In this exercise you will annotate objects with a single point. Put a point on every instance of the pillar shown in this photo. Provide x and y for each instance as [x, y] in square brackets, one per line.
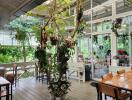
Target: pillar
[113, 36]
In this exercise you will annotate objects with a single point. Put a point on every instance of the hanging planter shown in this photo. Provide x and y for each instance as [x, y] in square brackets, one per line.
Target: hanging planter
[95, 39]
[70, 42]
[21, 35]
[116, 25]
[53, 40]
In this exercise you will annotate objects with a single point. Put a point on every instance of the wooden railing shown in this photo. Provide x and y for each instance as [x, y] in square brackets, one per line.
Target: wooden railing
[20, 64]
[23, 67]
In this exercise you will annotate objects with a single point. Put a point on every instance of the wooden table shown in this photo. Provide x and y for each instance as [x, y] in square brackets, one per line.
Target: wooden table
[122, 81]
[5, 93]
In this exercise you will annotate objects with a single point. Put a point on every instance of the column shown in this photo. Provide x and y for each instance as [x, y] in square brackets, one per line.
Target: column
[130, 50]
[92, 39]
[113, 36]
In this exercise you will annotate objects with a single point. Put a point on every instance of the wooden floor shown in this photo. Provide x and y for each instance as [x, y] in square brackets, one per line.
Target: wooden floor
[30, 89]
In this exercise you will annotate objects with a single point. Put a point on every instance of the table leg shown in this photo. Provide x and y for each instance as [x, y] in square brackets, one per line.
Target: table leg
[0, 91]
[7, 90]
[11, 91]
[98, 95]
[131, 96]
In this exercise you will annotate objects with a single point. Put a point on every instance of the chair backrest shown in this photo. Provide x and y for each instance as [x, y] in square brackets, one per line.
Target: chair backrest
[108, 90]
[2, 71]
[13, 76]
[121, 71]
[14, 69]
[107, 76]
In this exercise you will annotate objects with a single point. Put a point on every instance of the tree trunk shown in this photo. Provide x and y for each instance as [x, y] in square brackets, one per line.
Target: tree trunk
[24, 52]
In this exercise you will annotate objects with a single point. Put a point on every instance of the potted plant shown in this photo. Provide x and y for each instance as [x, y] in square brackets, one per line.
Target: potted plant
[59, 84]
[55, 26]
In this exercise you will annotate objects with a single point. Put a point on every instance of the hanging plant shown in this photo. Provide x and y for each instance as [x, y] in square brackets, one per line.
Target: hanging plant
[116, 25]
[95, 38]
[53, 40]
[21, 36]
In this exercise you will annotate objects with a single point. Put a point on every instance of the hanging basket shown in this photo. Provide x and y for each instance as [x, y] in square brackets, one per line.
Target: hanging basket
[53, 40]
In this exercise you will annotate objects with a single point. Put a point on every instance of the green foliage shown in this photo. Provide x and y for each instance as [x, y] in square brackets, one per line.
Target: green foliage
[13, 54]
[5, 59]
[21, 36]
[37, 30]
[23, 26]
[123, 43]
[23, 23]
[60, 85]
[50, 30]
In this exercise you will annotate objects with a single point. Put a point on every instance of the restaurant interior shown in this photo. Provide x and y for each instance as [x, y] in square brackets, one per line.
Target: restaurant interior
[65, 49]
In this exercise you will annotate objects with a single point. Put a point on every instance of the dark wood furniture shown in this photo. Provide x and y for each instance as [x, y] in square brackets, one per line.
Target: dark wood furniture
[40, 72]
[8, 88]
[121, 81]
[2, 71]
[110, 91]
[11, 76]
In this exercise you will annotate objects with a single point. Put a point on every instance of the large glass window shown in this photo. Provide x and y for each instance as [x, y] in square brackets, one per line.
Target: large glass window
[84, 44]
[101, 54]
[123, 46]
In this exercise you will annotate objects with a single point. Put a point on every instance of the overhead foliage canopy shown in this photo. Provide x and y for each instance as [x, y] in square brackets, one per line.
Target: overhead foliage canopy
[57, 15]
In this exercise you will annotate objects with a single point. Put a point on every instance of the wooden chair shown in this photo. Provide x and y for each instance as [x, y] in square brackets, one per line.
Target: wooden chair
[40, 72]
[110, 91]
[11, 76]
[107, 76]
[121, 71]
[2, 71]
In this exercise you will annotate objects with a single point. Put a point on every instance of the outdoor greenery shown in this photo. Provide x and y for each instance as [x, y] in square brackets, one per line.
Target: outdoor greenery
[23, 26]
[10, 54]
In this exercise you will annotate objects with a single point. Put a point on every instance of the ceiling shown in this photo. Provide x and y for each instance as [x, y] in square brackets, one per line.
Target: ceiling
[10, 9]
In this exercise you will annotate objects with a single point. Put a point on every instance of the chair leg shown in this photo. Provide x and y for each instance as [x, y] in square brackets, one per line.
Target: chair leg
[105, 97]
[100, 96]
[11, 91]
[131, 96]
[0, 91]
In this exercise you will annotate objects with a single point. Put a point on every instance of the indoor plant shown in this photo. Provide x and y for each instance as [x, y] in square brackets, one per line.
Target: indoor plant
[58, 19]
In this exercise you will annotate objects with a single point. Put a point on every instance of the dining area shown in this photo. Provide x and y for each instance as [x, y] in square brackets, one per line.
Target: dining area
[10, 75]
[117, 86]
[6, 83]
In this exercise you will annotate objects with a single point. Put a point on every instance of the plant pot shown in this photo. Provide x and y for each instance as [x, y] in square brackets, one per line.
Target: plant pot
[53, 40]
[52, 97]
